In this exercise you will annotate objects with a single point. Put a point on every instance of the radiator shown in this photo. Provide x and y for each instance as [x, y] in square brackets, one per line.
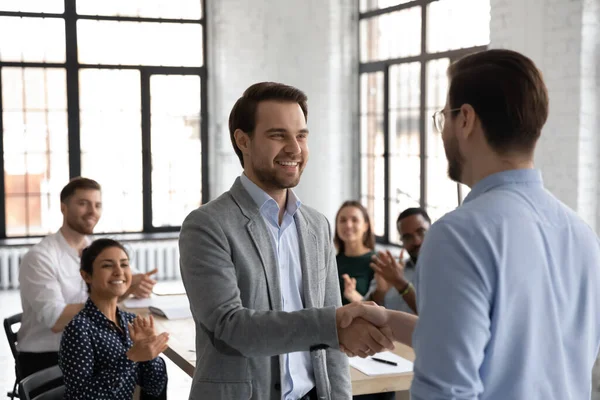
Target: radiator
[145, 256]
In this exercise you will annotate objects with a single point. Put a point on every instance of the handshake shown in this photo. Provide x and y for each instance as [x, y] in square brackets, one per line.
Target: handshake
[363, 329]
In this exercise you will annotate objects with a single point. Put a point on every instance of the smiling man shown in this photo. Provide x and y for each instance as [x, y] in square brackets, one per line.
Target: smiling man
[260, 270]
[52, 290]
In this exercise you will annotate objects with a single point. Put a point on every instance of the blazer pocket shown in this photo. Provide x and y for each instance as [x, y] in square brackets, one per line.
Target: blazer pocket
[202, 390]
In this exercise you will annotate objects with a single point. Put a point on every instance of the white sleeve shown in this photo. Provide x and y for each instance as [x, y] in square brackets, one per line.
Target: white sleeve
[40, 287]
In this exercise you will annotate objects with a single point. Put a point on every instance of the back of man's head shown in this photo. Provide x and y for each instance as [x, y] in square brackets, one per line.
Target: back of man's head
[75, 184]
[507, 92]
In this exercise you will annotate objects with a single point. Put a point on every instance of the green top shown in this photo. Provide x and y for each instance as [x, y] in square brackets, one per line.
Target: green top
[357, 268]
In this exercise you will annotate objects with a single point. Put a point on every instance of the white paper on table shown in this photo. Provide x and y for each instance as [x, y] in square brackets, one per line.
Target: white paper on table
[169, 288]
[137, 303]
[371, 367]
[171, 307]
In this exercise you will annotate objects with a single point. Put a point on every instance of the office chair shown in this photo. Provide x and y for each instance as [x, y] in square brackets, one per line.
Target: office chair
[41, 378]
[11, 336]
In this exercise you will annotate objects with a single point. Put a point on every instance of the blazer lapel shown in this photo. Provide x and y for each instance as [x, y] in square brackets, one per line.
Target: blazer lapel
[260, 236]
[308, 258]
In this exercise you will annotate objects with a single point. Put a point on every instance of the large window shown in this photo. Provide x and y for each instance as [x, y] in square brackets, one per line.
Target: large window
[112, 90]
[405, 49]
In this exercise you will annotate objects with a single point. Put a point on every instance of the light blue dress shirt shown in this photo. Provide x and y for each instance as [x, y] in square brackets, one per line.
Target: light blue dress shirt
[297, 371]
[508, 297]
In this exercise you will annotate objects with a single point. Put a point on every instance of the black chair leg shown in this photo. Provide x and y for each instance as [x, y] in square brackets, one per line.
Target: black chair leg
[14, 394]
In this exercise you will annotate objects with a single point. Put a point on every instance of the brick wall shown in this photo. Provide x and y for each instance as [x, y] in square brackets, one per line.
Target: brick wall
[562, 38]
[311, 44]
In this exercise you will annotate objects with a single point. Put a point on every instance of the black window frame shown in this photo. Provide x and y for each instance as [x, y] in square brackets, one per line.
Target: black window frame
[72, 66]
[384, 66]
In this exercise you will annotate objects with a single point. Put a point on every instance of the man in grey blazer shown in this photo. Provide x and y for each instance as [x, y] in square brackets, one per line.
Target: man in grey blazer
[260, 271]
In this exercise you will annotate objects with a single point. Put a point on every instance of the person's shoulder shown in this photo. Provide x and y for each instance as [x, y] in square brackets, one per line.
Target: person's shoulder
[46, 248]
[313, 217]
[214, 209]
[81, 323]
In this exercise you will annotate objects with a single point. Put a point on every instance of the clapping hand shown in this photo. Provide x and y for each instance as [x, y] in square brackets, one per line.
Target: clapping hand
[387, 267]
[141, 328]
[146, 344]
[350, 292]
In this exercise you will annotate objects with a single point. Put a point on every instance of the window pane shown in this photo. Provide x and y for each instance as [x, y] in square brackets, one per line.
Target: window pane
[16, 215]
[182, 9]
[176, 150]
[111, 145]
[372, 148]
[36, 162]
[40, 6]
[134, 43]
[393, 35]
[367, 5]
[442, 193]
[456, 24]
[405, 142]
[19, 43]
[34, 88]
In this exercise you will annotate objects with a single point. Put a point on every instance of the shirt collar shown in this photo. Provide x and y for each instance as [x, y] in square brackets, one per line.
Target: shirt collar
[92, 310]
[67, 247]
[262, 199]
[528, 177]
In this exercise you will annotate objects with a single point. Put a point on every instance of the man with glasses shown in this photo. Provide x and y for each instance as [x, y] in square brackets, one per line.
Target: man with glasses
[508, 286]
[412, 225]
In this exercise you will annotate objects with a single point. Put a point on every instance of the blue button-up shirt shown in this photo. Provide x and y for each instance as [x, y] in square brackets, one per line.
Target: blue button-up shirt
[508, 297]
[297, 371]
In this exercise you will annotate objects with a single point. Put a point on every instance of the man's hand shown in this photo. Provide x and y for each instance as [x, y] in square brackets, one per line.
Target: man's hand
[142, 284]
[358, 336]
[350, 292]
[367, 310]
[363, 339]
[382, 284]
[386, 266]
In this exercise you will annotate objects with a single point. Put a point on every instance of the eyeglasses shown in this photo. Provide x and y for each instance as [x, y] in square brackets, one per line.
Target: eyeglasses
[439, 118]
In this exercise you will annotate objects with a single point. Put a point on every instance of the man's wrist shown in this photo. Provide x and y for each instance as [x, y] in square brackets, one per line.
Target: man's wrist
[401, 285]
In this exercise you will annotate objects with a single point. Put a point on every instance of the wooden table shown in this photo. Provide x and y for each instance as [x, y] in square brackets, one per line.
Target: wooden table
[182, 345]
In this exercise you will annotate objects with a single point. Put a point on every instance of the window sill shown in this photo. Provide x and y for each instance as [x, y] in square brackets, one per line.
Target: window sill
[122, 237]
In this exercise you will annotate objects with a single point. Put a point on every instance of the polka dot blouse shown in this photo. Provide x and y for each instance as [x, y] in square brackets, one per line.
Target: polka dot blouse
[94, 363]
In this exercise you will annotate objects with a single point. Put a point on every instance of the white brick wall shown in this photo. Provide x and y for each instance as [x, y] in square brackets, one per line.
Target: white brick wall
[310, 44]
[563, 38]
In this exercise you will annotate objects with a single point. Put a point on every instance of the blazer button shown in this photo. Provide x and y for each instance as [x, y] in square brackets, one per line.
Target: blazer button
[277, 386]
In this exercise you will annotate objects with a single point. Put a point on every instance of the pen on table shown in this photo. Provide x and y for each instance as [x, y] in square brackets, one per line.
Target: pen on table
[381, 360]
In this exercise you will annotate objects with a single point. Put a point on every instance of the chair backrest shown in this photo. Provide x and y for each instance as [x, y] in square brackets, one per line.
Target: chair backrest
[37, 380]
[11, 335]
[58, 393]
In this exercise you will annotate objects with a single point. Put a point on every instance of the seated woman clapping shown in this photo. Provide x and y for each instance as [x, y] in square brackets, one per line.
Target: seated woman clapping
[105, 351]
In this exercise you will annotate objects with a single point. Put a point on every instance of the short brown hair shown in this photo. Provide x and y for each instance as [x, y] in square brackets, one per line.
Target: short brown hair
[243, 113]
[78, 183]
[368, 239]
[507, 92]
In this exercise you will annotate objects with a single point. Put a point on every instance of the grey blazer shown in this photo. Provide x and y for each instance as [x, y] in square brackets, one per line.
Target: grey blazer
[231, 276]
